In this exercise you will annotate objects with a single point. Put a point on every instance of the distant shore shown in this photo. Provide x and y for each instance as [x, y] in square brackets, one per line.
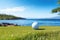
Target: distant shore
[9, 17]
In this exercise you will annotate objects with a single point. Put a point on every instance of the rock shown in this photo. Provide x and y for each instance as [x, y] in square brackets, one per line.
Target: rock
[7, 24]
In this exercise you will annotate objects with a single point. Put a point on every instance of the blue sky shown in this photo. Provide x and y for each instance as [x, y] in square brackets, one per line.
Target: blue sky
[28, 8]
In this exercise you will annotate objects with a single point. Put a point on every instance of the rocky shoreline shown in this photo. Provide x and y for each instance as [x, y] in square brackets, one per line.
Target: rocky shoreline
[8, 24]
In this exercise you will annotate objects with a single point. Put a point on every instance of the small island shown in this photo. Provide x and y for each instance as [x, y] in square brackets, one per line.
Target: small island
[9, 17]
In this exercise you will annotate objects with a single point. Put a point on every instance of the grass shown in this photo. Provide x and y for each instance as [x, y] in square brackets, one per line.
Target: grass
[27, 33]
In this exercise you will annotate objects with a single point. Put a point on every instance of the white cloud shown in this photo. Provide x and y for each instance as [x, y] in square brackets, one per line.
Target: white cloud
[12, 10]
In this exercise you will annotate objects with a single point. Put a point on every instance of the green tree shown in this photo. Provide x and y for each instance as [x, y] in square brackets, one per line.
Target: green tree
[57, 9]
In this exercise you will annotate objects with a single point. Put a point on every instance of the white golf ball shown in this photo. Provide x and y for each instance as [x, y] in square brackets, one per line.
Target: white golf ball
[35, 25]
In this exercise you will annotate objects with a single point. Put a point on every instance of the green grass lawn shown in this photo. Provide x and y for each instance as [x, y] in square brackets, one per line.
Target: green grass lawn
[27, 33]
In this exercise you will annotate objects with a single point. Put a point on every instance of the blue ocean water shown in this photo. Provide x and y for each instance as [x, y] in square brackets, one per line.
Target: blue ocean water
[28, 22]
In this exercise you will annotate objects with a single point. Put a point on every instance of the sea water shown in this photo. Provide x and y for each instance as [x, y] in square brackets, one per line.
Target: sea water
[28, 22]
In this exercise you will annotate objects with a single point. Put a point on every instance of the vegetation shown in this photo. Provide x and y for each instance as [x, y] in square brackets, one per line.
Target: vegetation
[58, 2]
[27, 33]
[8, 17]
[57, 9]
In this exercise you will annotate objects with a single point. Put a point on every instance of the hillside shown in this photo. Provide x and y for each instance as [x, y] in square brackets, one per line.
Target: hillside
[9, 17]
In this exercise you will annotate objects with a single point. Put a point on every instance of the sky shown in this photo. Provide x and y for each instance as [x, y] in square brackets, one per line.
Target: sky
[28, 8]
